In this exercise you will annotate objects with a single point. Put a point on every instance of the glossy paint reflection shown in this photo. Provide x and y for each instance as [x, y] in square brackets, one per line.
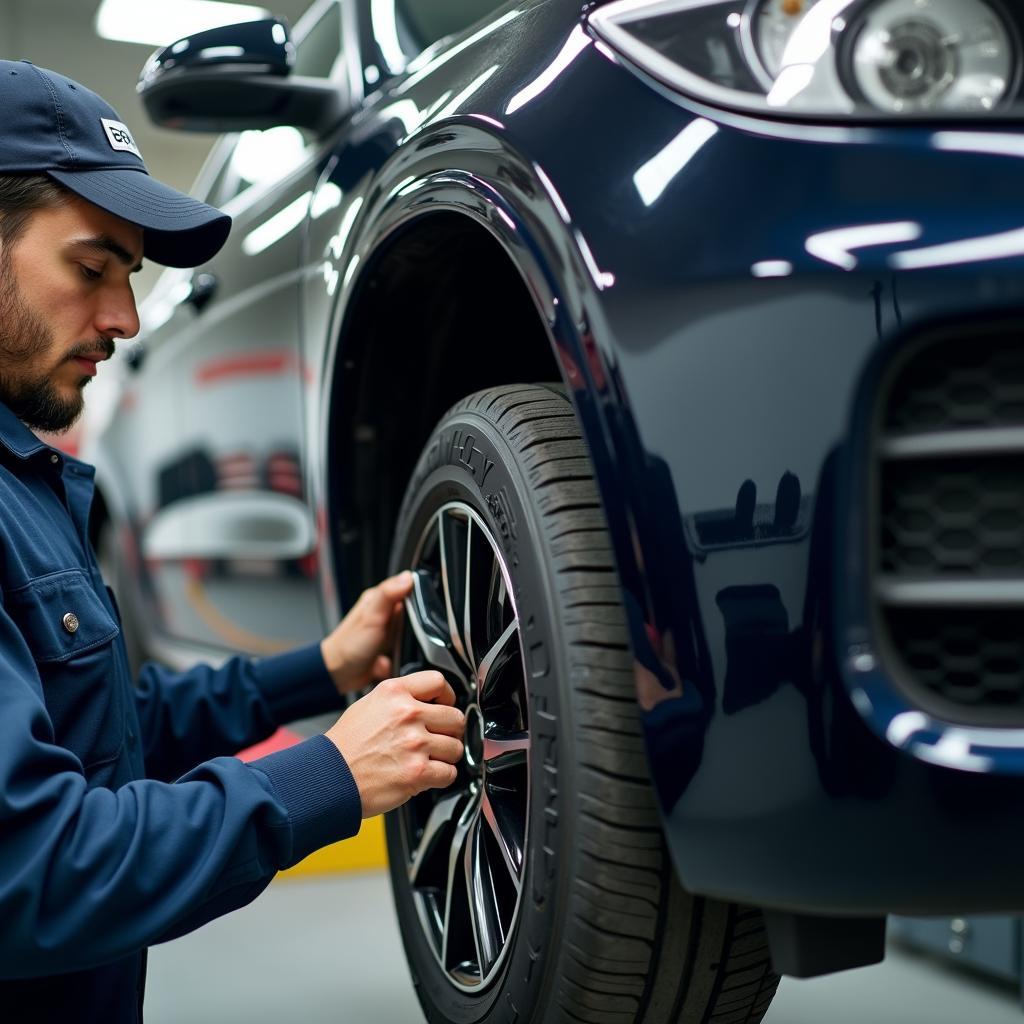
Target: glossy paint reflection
[714, 288]
[838, 245]
[654, 176]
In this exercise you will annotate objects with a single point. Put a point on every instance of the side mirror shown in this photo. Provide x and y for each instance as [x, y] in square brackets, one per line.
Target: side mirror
[233, 79]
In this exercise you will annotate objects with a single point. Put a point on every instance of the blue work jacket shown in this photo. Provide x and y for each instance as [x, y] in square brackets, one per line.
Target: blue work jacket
[123, 822]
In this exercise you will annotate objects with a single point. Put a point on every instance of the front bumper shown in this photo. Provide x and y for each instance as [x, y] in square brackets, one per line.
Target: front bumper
[751, 302]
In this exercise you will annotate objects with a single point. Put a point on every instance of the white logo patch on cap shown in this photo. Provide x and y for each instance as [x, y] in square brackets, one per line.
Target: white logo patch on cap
[119, 136]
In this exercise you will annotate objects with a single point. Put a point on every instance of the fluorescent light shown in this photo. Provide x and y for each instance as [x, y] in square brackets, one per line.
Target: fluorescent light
[261, 156]
[336, 246]
[577, 42]
[772, 268]
[160, 22]
[421, 71]
[904, 725]
[549, 187]
[602, 278]
[837, 246]
[969, 250]
[276, 227]
[385, 32]
[452, 106]
[326, 198]
[979, 142]
[653, 177]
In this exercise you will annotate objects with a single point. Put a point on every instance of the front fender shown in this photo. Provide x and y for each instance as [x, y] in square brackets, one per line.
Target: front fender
[465, 168]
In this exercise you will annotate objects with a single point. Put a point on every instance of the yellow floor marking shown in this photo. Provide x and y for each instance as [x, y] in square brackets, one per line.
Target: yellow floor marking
[361, 852]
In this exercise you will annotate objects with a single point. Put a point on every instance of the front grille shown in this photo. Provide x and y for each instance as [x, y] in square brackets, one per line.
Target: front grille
[948, 579]
[973, 660]
[953, 516]
[957, 383]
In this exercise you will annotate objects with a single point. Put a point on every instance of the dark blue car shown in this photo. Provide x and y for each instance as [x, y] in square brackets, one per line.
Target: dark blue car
[676, 345]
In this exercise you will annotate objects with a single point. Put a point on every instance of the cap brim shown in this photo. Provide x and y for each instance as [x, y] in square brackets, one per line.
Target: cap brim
[179, 231]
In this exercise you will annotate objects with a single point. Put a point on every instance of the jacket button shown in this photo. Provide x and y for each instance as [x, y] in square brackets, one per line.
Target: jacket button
[70, 621]
[55, 459]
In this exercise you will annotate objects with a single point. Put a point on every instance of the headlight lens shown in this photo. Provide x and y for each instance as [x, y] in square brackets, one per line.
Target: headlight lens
[823, 58]
[948, 55]
[774, 23]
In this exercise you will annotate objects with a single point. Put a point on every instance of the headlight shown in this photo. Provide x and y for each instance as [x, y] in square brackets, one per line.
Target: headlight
[823, 58]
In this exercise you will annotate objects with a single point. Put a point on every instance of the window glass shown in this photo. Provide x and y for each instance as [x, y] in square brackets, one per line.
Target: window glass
[320, 48]
[426, 21]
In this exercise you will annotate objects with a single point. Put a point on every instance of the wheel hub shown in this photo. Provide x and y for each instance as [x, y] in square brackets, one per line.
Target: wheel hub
[474, 741]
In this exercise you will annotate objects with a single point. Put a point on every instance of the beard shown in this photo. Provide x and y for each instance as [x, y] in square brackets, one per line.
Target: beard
[25, 340]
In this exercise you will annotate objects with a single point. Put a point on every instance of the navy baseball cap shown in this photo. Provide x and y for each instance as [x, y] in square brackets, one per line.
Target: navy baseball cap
[55, 126]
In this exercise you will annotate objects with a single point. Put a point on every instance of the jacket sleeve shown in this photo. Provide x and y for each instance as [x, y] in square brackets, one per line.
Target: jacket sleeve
[192, 716]
[88, 875]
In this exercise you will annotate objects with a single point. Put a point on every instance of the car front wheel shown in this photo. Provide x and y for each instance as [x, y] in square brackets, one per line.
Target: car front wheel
[538, 886]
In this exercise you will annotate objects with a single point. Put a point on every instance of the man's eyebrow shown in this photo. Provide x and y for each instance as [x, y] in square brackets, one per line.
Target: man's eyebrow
[104, 243]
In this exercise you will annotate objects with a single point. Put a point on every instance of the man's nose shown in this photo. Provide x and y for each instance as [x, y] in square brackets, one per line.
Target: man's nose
[118, 316]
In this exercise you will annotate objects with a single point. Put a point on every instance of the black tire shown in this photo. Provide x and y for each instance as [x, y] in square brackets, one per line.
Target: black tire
[601, 931]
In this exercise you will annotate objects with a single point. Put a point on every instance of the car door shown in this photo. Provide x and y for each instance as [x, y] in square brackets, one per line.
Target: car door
[228, 540]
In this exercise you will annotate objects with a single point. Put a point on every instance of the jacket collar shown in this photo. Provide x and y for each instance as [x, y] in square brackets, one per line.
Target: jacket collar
[16, 437]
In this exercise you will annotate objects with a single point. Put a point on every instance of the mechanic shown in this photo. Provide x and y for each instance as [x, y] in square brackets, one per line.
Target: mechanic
[102, 852]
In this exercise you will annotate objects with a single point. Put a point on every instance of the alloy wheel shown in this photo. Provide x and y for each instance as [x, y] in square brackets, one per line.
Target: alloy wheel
[465, 846]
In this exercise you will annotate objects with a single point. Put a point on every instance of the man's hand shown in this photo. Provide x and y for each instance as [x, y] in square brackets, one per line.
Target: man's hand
[354, 652]
[402, 738]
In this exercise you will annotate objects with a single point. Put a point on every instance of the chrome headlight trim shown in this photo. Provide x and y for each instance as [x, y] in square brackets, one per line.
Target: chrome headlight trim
[816, 89]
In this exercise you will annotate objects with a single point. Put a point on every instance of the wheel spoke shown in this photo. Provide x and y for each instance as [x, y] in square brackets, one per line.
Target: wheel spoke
[502, 590]
[441, 815]
[467, 601]
[488, 935]
[495, 658]
[455, 862]
[453, 533]
[511, 850]
[434, 647]
[497, 595]
[508, 750]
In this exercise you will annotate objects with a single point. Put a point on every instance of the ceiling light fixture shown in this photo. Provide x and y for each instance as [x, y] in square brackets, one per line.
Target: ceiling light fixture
[160, 22]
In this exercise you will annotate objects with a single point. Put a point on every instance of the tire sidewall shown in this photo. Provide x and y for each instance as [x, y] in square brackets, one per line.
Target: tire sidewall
[468, 460]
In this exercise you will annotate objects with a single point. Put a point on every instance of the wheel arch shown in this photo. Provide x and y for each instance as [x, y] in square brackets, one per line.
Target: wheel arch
[457, 199]
[509, 203]
[441, 310]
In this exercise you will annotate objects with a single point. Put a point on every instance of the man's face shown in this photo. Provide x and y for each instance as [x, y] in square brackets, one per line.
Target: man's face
[65, 297]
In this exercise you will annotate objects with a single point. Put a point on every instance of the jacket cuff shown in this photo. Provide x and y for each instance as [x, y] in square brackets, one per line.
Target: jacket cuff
[313, 782]
[297, 684]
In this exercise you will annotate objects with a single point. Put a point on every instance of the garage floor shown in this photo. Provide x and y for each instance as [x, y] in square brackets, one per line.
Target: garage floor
[326, 951]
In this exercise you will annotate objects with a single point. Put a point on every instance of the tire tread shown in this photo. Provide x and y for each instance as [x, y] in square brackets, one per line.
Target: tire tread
[623, 899]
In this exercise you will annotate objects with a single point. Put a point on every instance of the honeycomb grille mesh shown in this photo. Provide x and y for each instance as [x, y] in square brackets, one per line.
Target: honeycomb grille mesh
[953, 517]
[960, 383]
[972, 659]
[950, 527]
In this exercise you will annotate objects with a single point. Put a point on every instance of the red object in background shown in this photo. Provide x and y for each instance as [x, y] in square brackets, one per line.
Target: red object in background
[250, 364]
[280, 740]
[237, 472]
[284, 474]
[67, 442]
